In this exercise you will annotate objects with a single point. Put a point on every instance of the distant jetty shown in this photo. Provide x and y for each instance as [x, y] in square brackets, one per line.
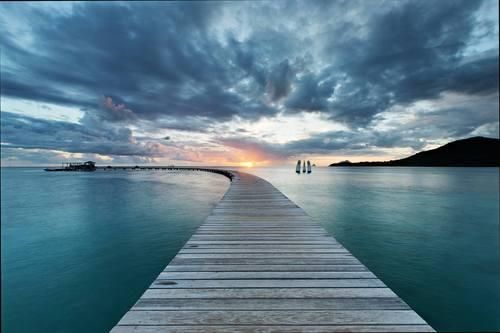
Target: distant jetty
[86, 167]
[75, 166]
[472, 152]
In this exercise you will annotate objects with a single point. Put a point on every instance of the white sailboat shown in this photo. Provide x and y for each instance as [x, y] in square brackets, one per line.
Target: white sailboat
[297, 167]
[309, 167]
[304, 167]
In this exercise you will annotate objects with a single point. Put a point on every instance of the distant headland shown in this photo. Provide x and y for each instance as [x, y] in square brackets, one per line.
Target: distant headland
[472, 152]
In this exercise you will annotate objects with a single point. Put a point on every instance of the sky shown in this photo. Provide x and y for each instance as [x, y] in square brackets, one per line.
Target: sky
[244, 83]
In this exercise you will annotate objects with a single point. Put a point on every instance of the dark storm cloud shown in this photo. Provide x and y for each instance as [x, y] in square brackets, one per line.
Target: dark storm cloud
[31, 133]
[413, 51]
[31, 89]
[245, 58]
[280, 81]
[157, 58]
[311, 93]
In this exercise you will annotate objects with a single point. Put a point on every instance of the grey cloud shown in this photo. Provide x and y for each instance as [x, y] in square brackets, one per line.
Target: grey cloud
[114, 110]
[280, 81]
[160, 58]
[245, 58]
[31, 133]
[311, 93]
[263, 149]
[411, 52]
[319, 144]
[342, 141]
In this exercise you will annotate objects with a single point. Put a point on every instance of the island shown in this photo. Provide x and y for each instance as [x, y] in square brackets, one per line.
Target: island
[472, 152]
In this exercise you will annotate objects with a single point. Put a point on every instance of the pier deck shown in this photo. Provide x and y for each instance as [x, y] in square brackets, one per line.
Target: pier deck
[260, 264]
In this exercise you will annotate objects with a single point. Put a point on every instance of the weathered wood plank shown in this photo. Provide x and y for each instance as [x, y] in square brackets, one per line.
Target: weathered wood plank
[239, 237]
[265, 268]
[263, 261]
[262, 242]
[261, 230]
[260, 256]
[257, 247]
[271, 329]
[264, 293]
[268, 283]
[390, 303]
[271, 317]
[260, 251]
[259, 233]
[266, 275]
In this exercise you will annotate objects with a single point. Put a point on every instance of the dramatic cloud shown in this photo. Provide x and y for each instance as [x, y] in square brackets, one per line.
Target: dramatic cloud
[280, 81]
[26, 132]
[217, 76]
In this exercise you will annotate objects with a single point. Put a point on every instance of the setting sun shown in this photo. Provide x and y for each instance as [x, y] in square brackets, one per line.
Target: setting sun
[247, 164]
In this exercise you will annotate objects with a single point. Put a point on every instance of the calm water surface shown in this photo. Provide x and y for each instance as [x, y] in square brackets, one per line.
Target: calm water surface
[79, 249]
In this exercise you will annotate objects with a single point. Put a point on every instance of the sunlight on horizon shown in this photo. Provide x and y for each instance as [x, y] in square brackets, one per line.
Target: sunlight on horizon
[247, 164]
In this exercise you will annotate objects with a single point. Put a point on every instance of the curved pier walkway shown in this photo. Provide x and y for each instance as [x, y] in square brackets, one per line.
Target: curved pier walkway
[260, 264]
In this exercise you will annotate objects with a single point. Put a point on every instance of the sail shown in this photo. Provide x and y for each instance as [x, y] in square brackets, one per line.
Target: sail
[304, 167]
[297, 168]
[309, 167]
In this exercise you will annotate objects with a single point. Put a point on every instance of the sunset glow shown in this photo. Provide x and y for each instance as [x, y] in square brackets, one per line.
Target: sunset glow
[247, 164]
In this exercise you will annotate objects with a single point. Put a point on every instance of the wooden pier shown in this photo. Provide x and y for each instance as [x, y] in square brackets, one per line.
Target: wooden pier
[260, 264]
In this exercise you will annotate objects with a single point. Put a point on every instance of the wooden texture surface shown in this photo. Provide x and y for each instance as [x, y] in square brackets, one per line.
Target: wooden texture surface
[260, 264]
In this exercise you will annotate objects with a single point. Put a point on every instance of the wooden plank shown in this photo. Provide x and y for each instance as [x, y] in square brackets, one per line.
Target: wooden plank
[389, 303]
[266, 275]
[291, 247]
[251, 293]
[261, 231]
[270, 255]
[263, 242]
[260, 251]
[265, 268]
[271, 329]
[271, 317]
[257, 237]
[269, 283]
[263, 261]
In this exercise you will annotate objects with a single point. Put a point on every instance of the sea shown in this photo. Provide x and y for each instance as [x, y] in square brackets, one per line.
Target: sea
[78, 249]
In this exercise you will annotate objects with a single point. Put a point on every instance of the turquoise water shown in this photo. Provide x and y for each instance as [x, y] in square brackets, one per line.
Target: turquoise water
[79, 249]
[431, 234]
